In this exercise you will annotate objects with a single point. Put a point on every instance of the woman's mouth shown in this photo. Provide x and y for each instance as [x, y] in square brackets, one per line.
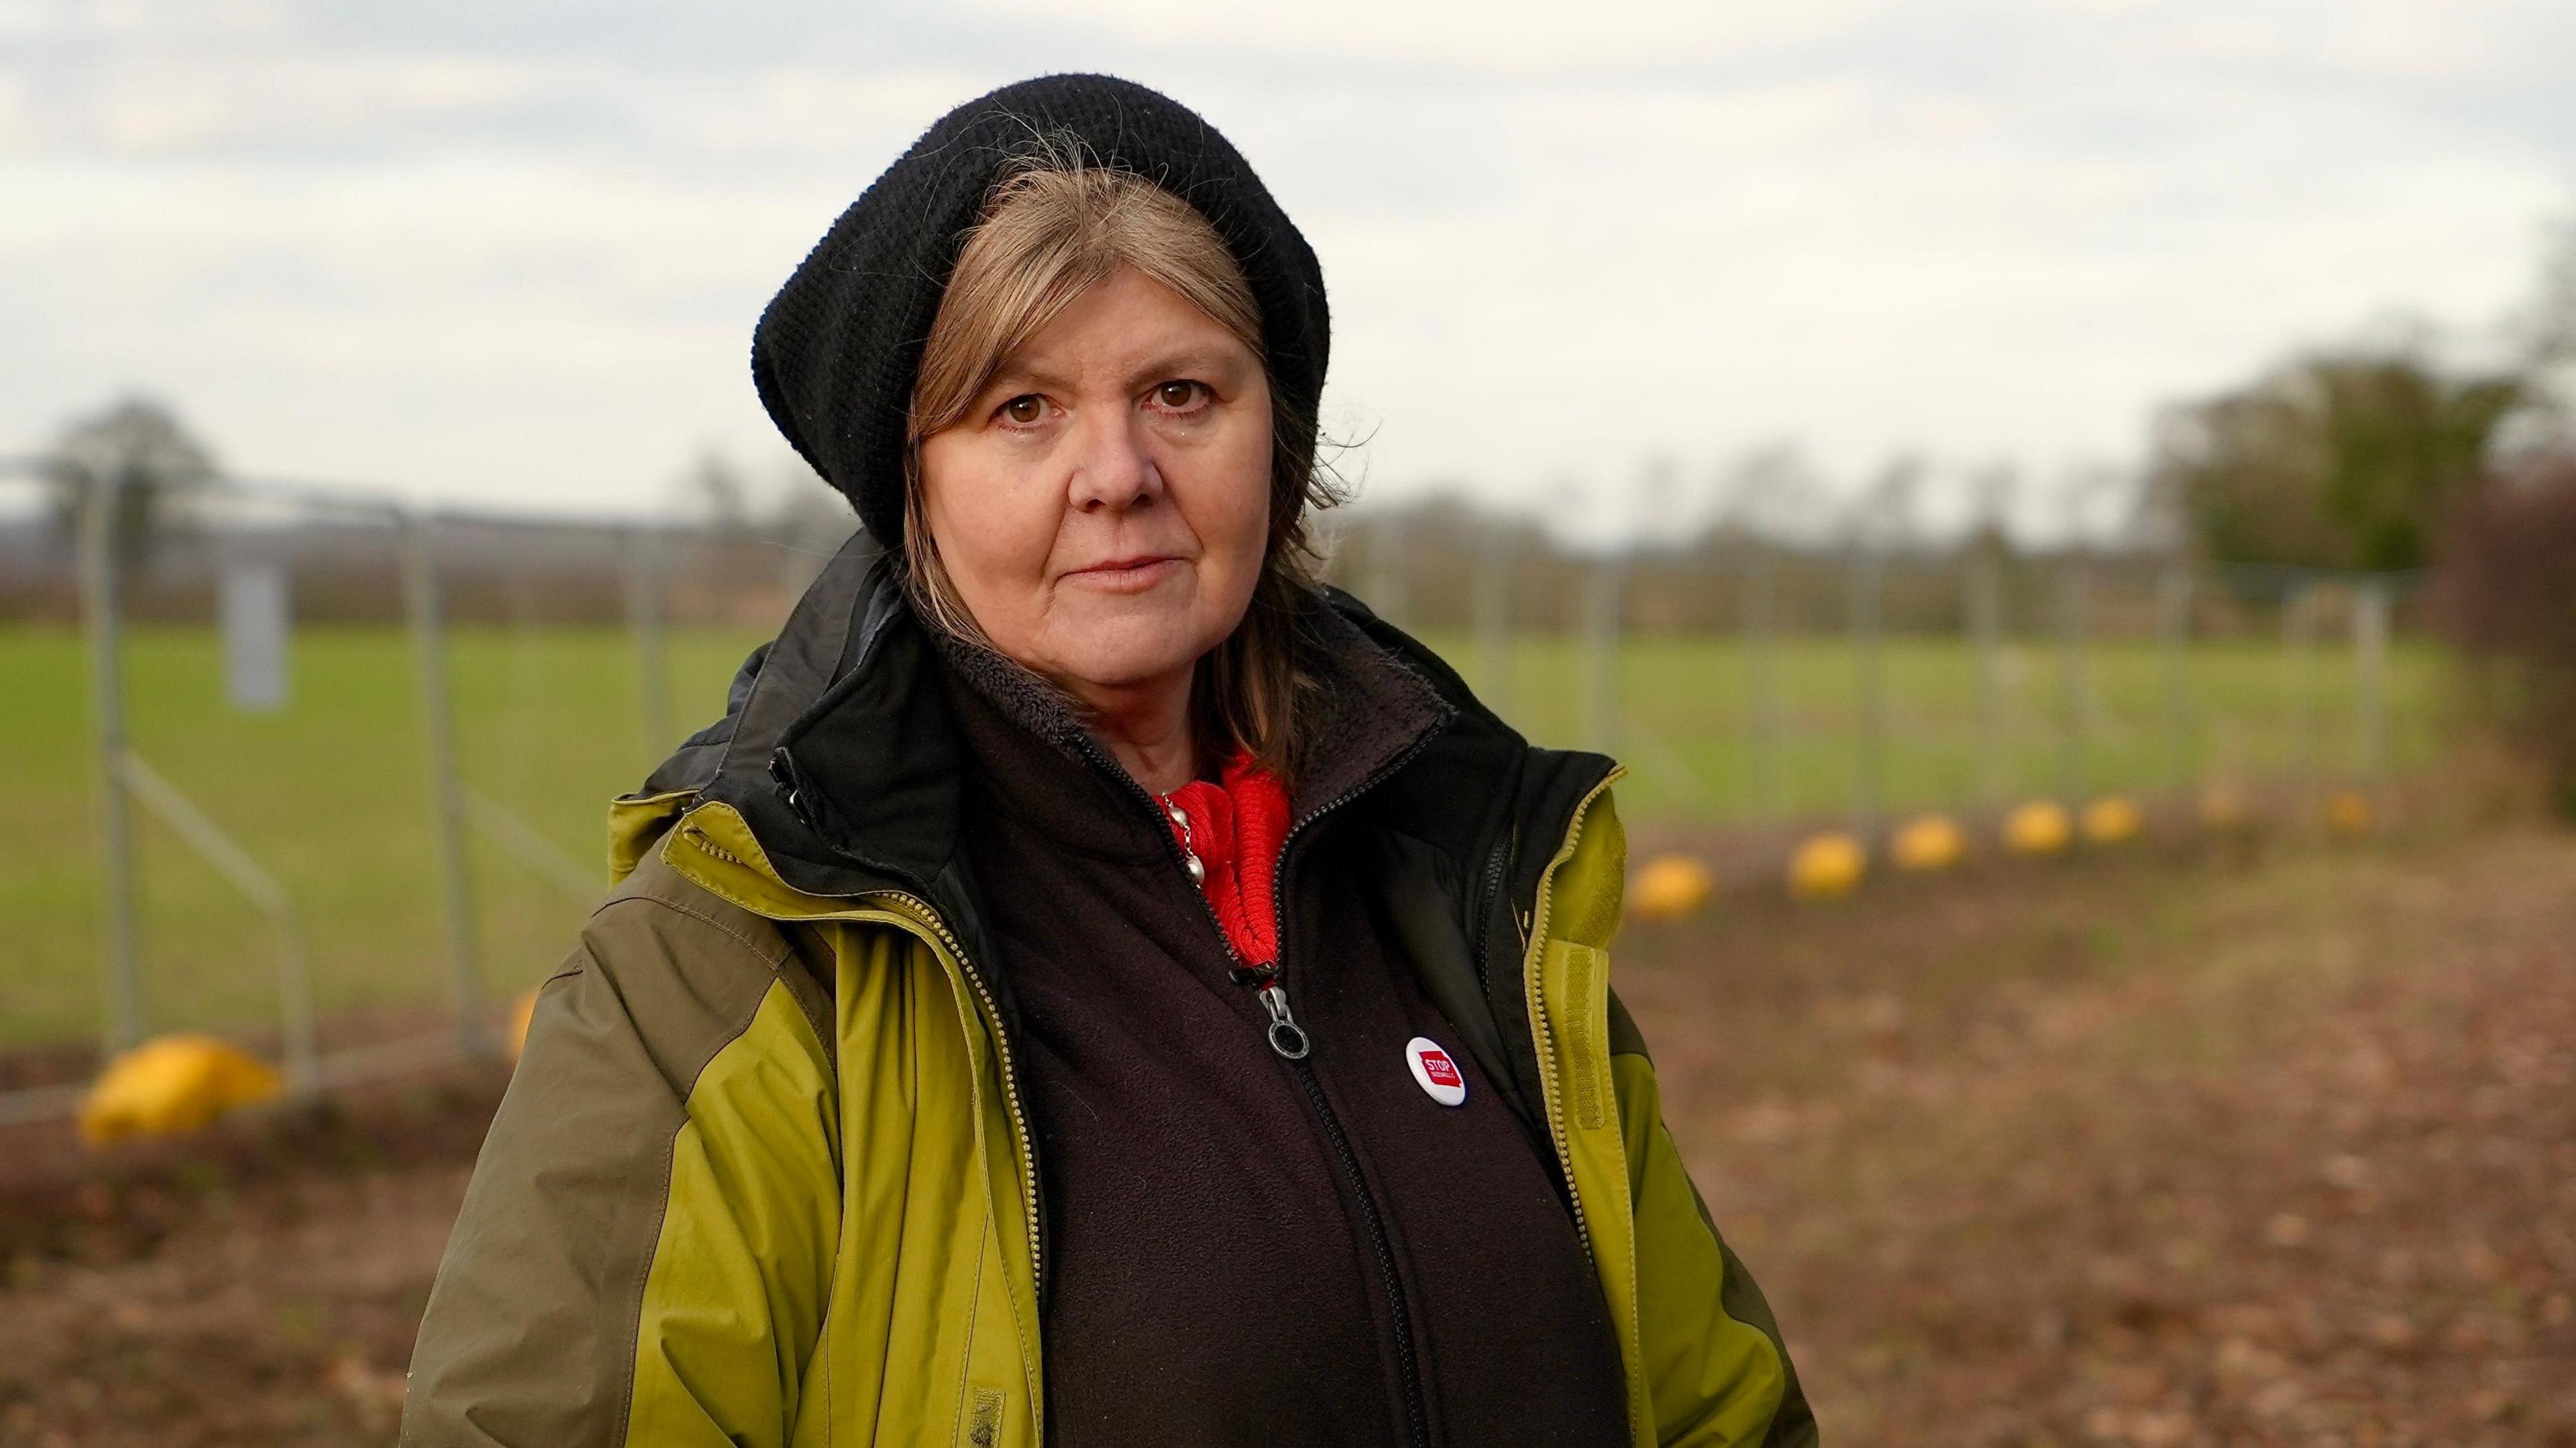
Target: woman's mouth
[1126, 575]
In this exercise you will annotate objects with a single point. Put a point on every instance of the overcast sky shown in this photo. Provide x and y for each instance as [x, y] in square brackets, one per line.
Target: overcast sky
[512, 252]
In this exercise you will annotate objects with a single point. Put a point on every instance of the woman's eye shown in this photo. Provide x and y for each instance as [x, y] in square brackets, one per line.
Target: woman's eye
[1179, 396]
[1025, 409]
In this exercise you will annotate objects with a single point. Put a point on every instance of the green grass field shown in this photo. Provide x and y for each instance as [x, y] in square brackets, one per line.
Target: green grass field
[332, 794]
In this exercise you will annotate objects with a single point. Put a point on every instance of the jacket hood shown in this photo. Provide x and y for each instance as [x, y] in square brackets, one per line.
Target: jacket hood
[836, 352]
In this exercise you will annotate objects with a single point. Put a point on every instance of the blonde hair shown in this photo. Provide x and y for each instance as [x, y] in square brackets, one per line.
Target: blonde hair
[1053, 227]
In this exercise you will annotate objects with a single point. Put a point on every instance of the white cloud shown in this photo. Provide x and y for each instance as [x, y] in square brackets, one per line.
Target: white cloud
[1515, 40]
[176, 102]
[154, 20]
[2400, 38]
[517, 269]
[806, 110]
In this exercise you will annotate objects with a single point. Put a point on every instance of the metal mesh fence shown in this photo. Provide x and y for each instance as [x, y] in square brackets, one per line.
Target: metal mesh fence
[329, 773]
[1752, 681]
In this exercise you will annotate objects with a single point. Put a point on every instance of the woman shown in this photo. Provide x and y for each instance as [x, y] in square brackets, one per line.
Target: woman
[1096, 986]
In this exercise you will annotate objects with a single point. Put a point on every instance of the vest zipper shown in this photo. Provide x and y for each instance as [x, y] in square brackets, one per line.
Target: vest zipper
[1289, 1040]
[1286, 1036]
[1408, 1372]
[1274, 998]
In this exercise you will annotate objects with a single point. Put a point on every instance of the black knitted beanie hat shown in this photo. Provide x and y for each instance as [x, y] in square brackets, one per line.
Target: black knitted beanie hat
[837, 350]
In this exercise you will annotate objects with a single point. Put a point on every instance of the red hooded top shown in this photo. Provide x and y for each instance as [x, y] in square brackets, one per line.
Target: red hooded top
[1235, 828]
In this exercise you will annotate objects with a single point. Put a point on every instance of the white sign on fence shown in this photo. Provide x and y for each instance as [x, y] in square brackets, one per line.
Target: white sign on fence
[252, 605]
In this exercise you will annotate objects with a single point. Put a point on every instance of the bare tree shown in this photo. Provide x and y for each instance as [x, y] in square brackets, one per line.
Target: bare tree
[1769, 493]
[139, 447]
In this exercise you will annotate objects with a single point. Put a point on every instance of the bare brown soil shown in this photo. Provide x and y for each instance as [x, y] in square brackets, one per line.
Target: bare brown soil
[2221, 1150]
[256, 1286]
[2155, 1150]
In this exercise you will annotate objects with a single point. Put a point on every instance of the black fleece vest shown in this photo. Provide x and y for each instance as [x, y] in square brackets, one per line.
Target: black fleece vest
[1242, 1249]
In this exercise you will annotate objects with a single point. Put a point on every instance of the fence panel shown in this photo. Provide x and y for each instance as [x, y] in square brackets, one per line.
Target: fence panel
[330, 774]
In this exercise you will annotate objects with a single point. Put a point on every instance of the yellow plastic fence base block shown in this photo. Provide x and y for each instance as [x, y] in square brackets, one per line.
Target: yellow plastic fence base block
[2113, 820]
[1927, 843]
[1671, 887]
[2349, 812]
[1827, 867]
[2038, 828]
[174, 1085]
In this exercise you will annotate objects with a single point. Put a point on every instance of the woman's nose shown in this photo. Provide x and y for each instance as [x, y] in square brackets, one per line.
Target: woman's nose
[1112, 470]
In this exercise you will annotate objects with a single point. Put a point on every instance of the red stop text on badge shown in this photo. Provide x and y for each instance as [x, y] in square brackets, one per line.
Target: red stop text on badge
[1433, 1070]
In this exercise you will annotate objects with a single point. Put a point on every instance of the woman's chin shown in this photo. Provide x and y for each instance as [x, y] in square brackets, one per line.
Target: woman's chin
[1112, 657]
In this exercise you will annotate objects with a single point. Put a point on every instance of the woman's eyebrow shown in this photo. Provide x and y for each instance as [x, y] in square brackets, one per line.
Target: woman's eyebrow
[1023, 376]
[1187, 361]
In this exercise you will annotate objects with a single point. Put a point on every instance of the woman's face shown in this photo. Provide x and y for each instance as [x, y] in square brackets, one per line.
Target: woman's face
[1104, 505]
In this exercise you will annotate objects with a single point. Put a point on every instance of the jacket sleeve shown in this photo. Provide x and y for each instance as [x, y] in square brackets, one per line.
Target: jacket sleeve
[642, 1253]
[1718, 1371]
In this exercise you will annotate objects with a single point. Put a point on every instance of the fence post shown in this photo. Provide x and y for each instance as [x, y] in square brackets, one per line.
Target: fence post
[2370, 680]
[1869, 739]
[1494, 619]
[644, 616]
[1759, 625]
[101, 599]
[2173, 630]
[447, 794]
[2072, 583]
[1601, 599]
[2298, 677]
[1986, 623]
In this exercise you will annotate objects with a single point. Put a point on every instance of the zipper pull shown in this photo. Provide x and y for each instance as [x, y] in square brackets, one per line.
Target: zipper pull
[1286, 1036]
[782, 773]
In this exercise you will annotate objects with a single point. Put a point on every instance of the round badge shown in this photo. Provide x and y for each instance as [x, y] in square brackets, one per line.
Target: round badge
[1440, 1078]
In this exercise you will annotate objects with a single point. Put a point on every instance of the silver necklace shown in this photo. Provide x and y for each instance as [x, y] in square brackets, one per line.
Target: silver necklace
[1189, 841]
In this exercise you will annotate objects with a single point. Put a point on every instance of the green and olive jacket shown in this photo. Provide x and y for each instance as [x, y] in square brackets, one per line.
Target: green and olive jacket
[763, 1175]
